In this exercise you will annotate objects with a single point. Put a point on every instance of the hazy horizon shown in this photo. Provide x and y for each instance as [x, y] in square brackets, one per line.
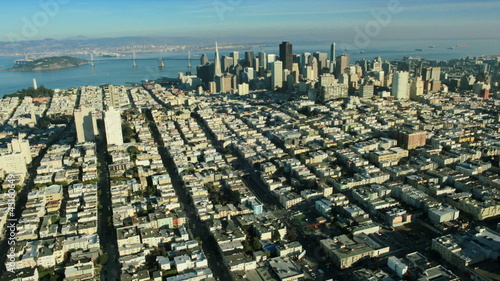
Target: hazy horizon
[345, 21]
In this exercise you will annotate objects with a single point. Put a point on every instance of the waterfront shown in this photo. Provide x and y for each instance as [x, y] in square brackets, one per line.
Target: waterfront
[119, 71]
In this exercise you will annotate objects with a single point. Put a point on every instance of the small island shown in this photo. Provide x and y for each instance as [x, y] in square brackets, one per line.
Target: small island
[49, 63]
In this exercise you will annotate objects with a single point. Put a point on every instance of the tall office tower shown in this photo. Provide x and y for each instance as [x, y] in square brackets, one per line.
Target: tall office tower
[217, 67]
[113, 127]
[432, 73]
[256, 63]
[224, 83]
[249, 59]
[377, 66]
[313, 63]
[295, 72]
[322, 58]
[247, 75]
[236, 57]
[212, 87]
[305, 59]
[387, 67]
[364, 65]
[286, 55]
[21, 145]
[35, 85]
[86, 124]
[400, 85]
[243, 89]
[277, 74]
[380, 76]
[227, 62]
[436, 73]
[270, 59]
[388, 80]
[296, 58]
[203, 59]
[333, 50]
[263, 59]
[416, 88]
[341, 64]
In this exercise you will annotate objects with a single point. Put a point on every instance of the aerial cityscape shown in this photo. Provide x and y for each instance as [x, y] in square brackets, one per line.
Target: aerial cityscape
[318, 141]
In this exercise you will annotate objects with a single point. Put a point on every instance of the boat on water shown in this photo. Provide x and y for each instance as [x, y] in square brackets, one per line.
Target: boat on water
[461, 45]
[418, 50]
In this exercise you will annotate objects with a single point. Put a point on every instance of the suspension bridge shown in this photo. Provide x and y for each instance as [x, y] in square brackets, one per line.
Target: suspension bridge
[134, 59]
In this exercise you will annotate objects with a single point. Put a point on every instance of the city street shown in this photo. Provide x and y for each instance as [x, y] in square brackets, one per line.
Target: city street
[197, 227]
[106, 231]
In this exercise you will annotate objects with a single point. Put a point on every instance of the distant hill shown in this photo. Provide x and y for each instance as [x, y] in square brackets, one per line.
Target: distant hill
[48, 63]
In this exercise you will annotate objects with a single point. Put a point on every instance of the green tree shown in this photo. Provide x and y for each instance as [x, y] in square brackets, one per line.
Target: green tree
[247, 248]
[103, 259]
[275, 236]
[256, 245]
[128, 132]
[133, 151]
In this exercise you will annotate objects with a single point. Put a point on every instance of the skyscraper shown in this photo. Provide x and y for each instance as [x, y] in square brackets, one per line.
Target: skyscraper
[203, 59]
[217, 67]
[341, 64]
[21, 145]
[113, 127]
[400, 85]
[313, 63]
[416, 88]
[86, 124]
[277, 74]
[432, 73]
[333, 49]
[263, 59]
[286, 55]
[249, 59]
[322, 59]
[236, 57]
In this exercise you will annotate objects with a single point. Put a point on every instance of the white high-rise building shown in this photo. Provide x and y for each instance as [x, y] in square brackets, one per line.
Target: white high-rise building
[243, 89]
[400, 85]
[21, 145]
[218, 70]
[86, 124]
[417, 88]
[263, 60]
[113, 127]
[271, 58]
[277, 74]
[13, 163]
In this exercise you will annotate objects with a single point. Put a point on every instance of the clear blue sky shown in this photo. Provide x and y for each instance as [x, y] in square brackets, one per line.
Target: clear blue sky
[277, 19]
